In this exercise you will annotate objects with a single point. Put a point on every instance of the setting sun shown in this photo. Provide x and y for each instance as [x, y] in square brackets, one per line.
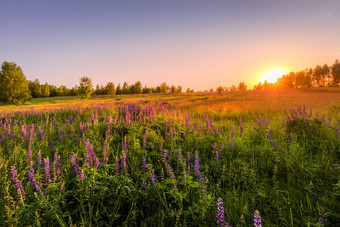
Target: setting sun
[272, 75]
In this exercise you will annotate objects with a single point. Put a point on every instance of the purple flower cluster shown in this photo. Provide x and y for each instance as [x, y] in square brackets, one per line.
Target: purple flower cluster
[56, 166]
[321, 221]
[90, 158]
[162, 176]
[105, 158]
[241, 126]
[47, 178]
[124, 163]
[79, 172]
[17, 183]
[170, 171]
[179, 154]
[231, 145]
[270, 137]
[200, 176]
[257, 219]
[220, 214]
[33, 183]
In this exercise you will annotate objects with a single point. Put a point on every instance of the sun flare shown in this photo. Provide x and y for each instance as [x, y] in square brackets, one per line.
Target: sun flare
[272, 75]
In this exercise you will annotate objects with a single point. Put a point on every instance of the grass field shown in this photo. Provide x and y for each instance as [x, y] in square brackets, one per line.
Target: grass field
[165, 160]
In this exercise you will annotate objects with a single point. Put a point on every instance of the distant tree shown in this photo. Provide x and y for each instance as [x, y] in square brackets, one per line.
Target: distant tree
[137, 88]
[110, 88]
[321, 75]
[13, 84]
[242, 86]
[45, 90]
[126, 88]
[35, 88]
[53, 91]
[119, 90]
[173, 88]
[188, 90]
[219, 89]
[336, 73]
[164, 88]
[85, 87]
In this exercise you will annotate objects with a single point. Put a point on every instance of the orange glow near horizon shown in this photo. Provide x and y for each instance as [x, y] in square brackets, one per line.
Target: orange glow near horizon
[272, 75]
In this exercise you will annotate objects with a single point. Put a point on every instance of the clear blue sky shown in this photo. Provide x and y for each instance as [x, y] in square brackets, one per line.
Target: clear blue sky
[197, 44]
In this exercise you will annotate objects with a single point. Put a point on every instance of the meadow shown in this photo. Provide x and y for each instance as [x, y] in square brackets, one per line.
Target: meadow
[190, 159]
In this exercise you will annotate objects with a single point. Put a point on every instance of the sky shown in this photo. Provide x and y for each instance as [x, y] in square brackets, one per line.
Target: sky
[199, 44]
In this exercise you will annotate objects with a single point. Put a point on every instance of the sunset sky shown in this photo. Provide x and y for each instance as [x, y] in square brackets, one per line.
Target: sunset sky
[197, 44]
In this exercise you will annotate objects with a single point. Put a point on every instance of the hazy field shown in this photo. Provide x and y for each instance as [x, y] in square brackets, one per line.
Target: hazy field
[277, 152]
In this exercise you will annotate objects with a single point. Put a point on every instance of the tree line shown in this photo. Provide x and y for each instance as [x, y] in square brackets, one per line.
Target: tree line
[320, 76]
[16, 89]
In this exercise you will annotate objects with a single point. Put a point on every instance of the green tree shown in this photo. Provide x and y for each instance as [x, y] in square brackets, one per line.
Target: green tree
[35, 88]
[110, 88]
[119, 90]
[45, 90]
[13, 84]
[336, 73]
[85, 87]
[242, 86]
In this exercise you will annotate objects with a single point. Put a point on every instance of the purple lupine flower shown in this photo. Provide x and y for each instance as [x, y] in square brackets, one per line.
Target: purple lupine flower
[257, 219]
[51, 144]
[241, 126]
[201, 178]
[222, 149]
[220, 214]
[33, 183]
[124, 163]
[258, 131]
[105, 158]
[153, 179]
[30, 174]
[117, 166]
[29, 154]
[270, 137]
[79, 172]
[321, 221]
[90, 158]
[162, 176]
[231, 145]
[232, 131]
[62, 188]
[217, 156]
[47, 178]
[179, 154]
[17, 183]
[56, 166]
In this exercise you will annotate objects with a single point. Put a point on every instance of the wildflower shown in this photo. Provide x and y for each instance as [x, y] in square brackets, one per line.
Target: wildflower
[231, 145]
[270, 137]
[47, 178]
[123, 162]
[222, 149]
[162, 176]
[220, 214]
[200, 176]
[79, 172]
[179, 153]
[321, 221]
[56, 166]
[257, 219]
[116, 166]
[105, 158]
[153, 178]
[90, 158]
[33, 183]
[17, 183]
[232, 131]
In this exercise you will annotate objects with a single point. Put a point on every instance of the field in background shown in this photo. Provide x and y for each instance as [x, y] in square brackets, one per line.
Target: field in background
[228, 104]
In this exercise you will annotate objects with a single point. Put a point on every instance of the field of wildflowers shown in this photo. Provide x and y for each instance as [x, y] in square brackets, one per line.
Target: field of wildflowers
[154, 163]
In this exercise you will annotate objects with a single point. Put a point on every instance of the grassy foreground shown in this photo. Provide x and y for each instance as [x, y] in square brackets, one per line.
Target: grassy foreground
[164, 160]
